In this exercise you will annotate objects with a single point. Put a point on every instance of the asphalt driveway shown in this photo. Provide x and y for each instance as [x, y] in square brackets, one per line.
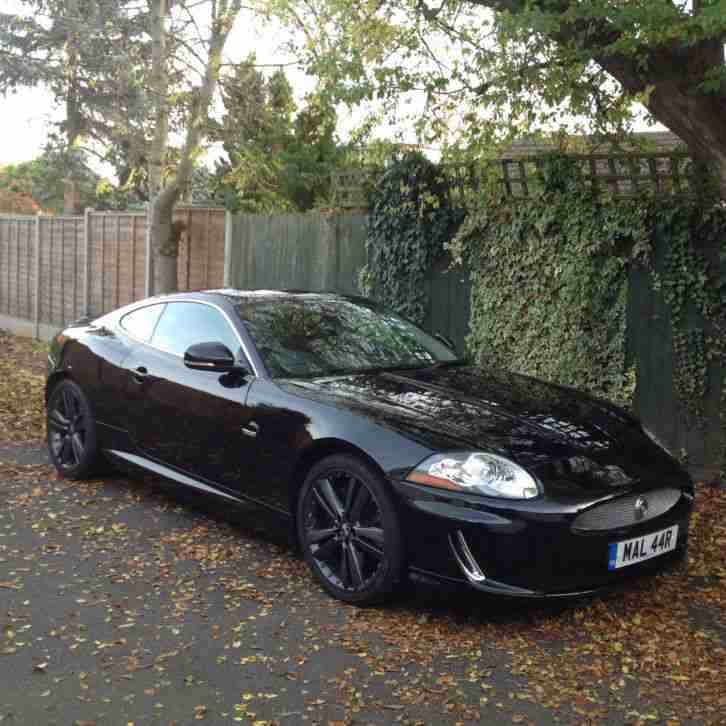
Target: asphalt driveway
[123, 603]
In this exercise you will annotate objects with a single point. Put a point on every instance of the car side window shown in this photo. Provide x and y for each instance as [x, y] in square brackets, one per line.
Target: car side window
[186, 323]
[140, 323]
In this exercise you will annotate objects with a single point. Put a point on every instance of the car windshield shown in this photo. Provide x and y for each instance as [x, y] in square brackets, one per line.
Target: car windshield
[319, 335]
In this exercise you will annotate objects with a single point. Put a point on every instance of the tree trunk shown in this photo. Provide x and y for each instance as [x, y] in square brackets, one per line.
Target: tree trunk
[159, 89]
[696, 118]
[165, 247]
[73, 124]
[163, 266]
[164, 237]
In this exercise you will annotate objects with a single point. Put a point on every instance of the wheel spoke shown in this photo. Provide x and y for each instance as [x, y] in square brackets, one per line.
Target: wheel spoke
[57, 441]
[325, 550]
[324, 505]
[69, 402]
[326, 489]
[345, 567]
[319, 535]
[58, 422]
[362, 498]
[66, 451]
[372, 533]
[350, 493]
[77, 444]
[355, 565]
[368, 548]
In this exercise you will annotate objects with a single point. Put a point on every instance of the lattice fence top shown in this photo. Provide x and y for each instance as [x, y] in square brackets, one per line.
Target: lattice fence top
[619, 174]
[622, 175]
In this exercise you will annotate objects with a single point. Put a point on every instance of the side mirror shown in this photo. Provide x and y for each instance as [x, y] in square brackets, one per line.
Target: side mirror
[214, 357]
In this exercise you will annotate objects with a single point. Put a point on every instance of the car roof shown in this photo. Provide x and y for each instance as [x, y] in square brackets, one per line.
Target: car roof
[233, 296]
[236, 296]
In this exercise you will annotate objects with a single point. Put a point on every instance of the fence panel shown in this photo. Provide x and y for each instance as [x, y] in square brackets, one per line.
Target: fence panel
[201, 249]
[650, 347]
[312, 251]
[116, 264]
[61, 263]
[449, 302]
[117, 259]
[17, 257]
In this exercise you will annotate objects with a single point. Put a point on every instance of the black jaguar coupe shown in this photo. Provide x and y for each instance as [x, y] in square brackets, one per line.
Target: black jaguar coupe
[386, 453]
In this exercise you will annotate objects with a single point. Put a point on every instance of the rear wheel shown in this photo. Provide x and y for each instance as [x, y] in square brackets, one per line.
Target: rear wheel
[349, 531]
[71, 432]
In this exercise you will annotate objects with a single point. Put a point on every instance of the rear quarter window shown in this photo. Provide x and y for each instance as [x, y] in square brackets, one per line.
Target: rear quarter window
[140, 323]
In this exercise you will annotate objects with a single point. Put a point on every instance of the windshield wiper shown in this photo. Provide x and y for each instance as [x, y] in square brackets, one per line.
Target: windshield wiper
[448, 363]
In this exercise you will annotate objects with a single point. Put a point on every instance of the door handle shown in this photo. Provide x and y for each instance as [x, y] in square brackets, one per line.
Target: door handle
[251, 429]
[139, 374]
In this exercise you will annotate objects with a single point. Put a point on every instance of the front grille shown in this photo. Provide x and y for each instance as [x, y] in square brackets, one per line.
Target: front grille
[622, 512]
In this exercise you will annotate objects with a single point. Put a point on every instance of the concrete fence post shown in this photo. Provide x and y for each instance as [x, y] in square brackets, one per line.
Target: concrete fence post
[227, 277]
[87, 261]
[36, 291]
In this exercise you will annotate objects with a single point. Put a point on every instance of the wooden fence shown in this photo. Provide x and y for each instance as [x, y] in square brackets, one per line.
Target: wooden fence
[650, 349]
[619, 174]
[312, 251]
[55, 269]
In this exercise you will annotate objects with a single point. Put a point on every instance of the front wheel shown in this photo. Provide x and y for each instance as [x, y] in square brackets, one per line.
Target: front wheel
[349, 531]
[71, 432]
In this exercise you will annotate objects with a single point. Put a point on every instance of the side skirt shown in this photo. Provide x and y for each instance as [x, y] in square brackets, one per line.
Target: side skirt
[204, 488]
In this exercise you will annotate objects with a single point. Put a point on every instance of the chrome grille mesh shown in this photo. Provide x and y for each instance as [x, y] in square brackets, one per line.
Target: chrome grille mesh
[622, 512]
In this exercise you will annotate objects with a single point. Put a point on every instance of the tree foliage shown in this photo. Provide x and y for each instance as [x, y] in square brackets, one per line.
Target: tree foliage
[92, 56]
[549, 282]
[492, 69]
[43, 180]
[278, 156]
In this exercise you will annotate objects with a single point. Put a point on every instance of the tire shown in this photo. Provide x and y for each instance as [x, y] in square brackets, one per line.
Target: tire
[349, 531]
[71, 432]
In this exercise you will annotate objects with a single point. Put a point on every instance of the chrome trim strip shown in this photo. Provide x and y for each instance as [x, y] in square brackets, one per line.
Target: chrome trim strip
[471, 568]
[243, 346]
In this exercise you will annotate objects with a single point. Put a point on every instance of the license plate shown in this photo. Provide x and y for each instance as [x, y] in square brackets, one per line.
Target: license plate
[632, 551]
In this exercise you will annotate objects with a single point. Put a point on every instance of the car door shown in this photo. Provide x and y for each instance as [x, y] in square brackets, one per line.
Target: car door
[188, 419]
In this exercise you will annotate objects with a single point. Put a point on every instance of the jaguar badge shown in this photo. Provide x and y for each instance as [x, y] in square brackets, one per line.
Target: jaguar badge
[641, 507]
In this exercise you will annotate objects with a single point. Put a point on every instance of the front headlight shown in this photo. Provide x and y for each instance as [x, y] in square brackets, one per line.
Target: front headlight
[477, 472]
[657, 441]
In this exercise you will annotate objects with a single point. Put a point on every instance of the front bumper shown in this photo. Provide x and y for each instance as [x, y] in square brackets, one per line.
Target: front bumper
[521, 551]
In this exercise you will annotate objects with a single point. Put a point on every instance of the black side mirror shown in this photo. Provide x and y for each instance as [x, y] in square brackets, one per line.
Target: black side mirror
[214, 357]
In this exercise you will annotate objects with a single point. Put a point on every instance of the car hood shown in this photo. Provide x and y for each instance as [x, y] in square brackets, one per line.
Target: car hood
[537, 424]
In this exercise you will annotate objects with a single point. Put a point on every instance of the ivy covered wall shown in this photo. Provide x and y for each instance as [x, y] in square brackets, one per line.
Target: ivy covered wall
[622, 298]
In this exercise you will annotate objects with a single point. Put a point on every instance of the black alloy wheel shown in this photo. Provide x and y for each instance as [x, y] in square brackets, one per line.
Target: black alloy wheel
[349, 532]
[71, 430]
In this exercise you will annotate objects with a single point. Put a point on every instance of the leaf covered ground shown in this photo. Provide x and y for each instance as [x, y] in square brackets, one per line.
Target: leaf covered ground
[122, 603]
